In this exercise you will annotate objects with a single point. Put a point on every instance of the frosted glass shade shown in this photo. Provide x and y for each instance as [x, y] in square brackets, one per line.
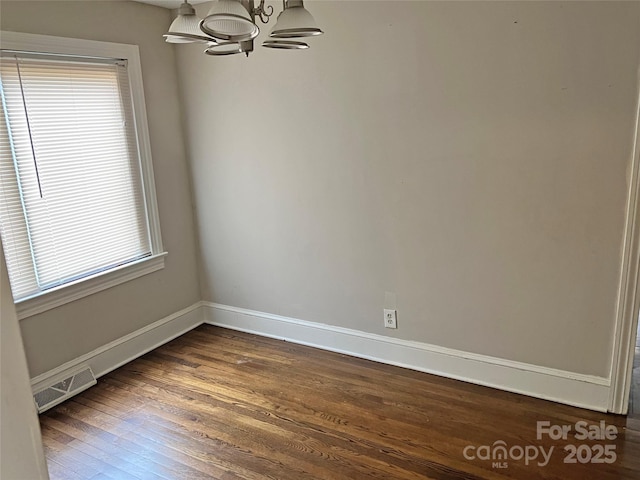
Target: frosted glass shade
[285, 45]
[224, 48]
[186, 27]
[229, 20]
[295, 21]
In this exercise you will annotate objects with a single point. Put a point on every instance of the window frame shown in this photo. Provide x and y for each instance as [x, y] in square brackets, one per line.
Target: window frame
[85, 286]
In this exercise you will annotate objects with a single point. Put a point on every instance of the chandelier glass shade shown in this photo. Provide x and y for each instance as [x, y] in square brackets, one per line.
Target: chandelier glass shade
[230, 26]
[295, 21]
[223, 48]
[229, 20]
[285, 44]
[186, 27]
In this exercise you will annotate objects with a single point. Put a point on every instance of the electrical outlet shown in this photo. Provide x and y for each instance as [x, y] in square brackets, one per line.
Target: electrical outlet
[390, 319]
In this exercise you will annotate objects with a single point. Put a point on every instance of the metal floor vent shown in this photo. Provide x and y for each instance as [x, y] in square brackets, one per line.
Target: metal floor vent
[72, 384]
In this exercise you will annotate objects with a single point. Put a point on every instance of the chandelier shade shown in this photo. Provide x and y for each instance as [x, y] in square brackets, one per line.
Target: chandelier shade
[230, 26]
[223, 48]
[295, 21]
[285, 44]
[186, 27]
[230, 21]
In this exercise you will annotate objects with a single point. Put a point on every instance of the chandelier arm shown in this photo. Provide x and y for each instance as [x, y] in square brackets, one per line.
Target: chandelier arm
[263, 12]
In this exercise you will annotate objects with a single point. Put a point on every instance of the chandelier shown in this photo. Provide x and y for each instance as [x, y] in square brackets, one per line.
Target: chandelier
[230, 26]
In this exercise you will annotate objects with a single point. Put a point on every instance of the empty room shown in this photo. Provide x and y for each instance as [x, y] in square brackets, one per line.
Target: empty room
[249, 239]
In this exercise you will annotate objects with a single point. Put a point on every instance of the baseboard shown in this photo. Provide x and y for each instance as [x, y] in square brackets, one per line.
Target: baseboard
[118, 352]
[561, 386]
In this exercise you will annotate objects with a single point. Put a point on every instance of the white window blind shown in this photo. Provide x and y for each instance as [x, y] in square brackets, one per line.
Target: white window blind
[71, 196]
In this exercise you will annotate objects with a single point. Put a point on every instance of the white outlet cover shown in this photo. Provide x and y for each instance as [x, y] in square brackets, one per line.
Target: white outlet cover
[390, 318]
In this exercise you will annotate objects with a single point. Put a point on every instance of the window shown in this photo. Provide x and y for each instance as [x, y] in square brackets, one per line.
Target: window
[77, 205]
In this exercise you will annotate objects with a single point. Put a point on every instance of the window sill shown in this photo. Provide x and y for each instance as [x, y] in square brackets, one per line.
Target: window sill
[87, 286]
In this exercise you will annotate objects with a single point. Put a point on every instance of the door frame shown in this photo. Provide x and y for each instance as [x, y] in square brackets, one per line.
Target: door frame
[628, 303]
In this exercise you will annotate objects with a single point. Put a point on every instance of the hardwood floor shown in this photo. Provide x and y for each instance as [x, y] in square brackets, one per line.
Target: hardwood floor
[226, 405]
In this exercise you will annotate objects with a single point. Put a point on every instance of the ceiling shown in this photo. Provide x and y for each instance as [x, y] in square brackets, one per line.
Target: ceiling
[170, 3]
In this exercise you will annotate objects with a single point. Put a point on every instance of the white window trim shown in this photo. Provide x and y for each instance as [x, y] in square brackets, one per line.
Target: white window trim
[86, 286]
[69, 292]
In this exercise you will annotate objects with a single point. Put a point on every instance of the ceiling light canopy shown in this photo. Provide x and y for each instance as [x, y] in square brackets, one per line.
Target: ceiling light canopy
[230, 26]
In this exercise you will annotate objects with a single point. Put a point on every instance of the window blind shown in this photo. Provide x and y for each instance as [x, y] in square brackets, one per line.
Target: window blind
[71, 198]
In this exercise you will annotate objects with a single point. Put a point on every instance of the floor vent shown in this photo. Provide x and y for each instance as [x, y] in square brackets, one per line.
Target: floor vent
[72, 384]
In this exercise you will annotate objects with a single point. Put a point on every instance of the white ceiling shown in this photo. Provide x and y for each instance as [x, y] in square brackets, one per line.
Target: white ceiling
[170, 3]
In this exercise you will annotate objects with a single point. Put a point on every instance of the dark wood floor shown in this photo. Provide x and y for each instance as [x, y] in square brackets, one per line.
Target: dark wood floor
[227, 405]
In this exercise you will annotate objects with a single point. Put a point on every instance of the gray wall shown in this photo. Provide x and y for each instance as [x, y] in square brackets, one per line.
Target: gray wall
[69, 331]
[471, 158]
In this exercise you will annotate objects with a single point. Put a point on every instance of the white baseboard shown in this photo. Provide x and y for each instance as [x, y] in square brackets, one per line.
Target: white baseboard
[561, 386]
[115, 354]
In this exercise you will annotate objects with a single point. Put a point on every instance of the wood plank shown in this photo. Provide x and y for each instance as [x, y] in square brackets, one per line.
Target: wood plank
[227, 405]
[315, 421]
